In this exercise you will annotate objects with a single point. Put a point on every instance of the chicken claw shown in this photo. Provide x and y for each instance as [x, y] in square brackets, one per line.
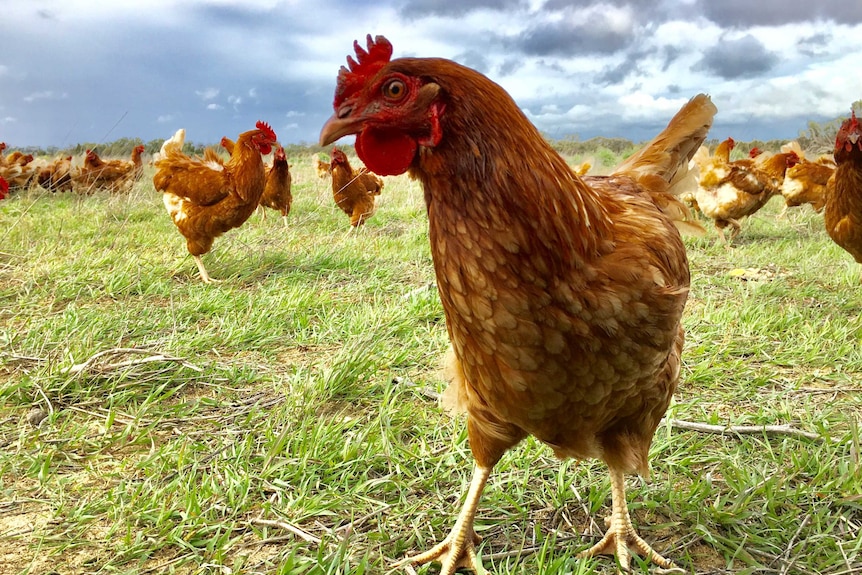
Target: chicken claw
[458, 550]
[621, 533]
[203, 271]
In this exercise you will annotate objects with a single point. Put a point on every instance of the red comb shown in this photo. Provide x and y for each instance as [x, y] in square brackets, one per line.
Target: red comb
[266, 129]
[853, 121]
[4, 186]
[369, 63]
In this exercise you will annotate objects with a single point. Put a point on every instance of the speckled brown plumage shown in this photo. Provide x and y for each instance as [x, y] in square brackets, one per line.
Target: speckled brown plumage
[843, 211]
[563, 295]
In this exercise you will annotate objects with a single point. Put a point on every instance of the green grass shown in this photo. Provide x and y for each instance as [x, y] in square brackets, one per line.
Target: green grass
[298, 393]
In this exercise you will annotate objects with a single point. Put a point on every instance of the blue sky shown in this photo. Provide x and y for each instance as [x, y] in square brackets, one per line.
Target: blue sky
[73, 71]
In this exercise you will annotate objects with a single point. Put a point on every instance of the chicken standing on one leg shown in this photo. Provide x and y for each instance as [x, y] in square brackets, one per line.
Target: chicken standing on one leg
[207, 198]
[354, 191]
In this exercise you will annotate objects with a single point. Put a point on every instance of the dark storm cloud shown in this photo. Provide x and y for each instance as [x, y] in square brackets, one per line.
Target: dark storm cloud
[814, 45]
[570, 37]
[647, 10]
[510, 66]
[473, 59]
[636, 63]
[422, 8]
[670, 54]
[746, 57]
[748, 13]
[616, 74]
[231, 16]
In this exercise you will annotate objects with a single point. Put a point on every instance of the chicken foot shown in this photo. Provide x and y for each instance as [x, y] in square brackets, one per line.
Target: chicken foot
[621, 533]
[203, 271]
[458, 550]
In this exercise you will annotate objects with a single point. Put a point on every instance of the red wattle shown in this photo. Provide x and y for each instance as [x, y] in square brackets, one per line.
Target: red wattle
[386, 153]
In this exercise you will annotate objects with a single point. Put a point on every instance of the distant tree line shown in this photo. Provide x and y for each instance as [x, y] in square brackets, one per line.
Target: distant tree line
[818, 138]
[122, 148]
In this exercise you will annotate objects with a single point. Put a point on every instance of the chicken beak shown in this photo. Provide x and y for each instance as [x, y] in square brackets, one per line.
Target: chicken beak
[336, 128]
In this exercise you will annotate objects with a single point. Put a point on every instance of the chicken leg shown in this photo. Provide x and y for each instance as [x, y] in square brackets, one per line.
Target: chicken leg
[621, 534]
[458, 550]
[203, 271]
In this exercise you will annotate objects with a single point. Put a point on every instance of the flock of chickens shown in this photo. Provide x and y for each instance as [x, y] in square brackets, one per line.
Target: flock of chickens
[728, 191]
[205, 196]
[19, 170]
[563, 293]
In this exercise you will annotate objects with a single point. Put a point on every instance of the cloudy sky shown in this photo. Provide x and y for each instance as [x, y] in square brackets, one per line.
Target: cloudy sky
[75, 71]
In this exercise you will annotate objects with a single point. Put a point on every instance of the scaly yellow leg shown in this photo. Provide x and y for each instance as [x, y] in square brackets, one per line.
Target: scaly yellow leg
[203, 271]
[458, 550]
[621, 533]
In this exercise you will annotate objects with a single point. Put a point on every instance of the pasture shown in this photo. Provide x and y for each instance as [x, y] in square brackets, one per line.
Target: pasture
[284, 421]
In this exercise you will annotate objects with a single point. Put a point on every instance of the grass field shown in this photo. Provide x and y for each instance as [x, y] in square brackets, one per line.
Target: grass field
[284, 421]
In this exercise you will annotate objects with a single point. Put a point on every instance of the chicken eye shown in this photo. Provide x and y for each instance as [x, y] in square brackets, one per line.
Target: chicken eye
[394, 89]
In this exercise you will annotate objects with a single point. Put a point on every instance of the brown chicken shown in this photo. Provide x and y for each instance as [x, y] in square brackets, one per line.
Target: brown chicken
[563, 295]
[19, 170]
[805, 183]
[713, 168]
[57, 176]
[741, 188]
[322, 167]
[18, 158]
[353, 190]
[276, 193]
[843, 210]
[206, 199]
[138, 163]
[111, 175]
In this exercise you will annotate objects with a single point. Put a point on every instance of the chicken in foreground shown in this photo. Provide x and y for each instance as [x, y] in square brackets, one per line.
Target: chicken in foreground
[843, 210]
[353, 190]
[276, 193]
[4, 188]
[563, 295]
[206, 199]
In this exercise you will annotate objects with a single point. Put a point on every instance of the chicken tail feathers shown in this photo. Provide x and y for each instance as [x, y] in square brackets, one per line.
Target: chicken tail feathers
[668, 154]
[663, 165]
[174, 144]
